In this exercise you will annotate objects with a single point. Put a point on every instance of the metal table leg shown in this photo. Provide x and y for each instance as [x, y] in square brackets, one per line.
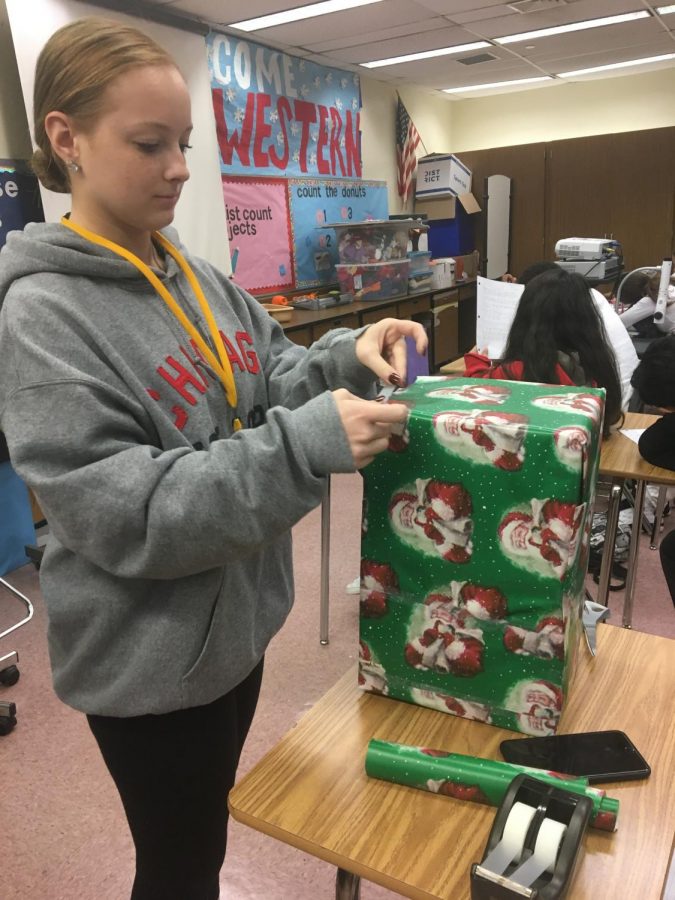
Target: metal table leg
[610, 540]
[347, 885]
[325, 565]
[658, 517]
[633, 554]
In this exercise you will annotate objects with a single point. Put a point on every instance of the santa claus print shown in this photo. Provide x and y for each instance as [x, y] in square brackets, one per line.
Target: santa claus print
[477, 600]
[399, 438]
[495, 438]
[544, 538]
[443, 637]
[547, 641]
[457, 790]
[571, 444]
[537, 705]
[372, 676]
[586, 404]
[465, 709]
[378, 582]
[435, 517]
[473, 393]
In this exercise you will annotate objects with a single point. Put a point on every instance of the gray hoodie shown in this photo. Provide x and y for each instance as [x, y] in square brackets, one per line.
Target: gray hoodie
[168, 565]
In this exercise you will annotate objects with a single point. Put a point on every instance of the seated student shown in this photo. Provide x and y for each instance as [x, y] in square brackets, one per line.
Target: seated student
[556, 337]
[654, 380]
[625, 357]
[640, 291]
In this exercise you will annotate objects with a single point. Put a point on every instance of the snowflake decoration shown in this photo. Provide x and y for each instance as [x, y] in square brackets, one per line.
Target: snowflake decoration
[329, 77]
[338, 103]
[312, 159]
[295, 129]
[239, 115]
[296, 156]
[230, 93]
[355, 103]
[317, 81]
[314, 134]
[355, 78]
[343, 83]
[342, 142]
[274, 116]
[280, 138]
[304, 90]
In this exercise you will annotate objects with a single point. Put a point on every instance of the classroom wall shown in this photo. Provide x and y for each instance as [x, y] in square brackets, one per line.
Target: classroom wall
[14, 136]
[566, 110]
[430, 115]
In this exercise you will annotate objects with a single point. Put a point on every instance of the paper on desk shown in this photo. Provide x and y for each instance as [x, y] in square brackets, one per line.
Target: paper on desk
[632, 434]
[496, 304]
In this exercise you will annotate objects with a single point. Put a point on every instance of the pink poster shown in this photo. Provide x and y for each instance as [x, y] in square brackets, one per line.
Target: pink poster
[258, 226]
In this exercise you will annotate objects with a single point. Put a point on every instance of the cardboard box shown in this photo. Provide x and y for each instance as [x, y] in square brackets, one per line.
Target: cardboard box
[475, 546]
[442, 175]
[446, 207]
[466, 266]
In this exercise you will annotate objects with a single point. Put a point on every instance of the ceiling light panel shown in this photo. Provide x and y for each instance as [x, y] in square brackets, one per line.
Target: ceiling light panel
[666, 10]
[425, 54]
[573, 26]
[301, 12]
[626, 64]
[617, 40]
[517, 83]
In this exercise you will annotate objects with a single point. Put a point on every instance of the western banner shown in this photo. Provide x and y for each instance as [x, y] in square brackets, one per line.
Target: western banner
[282, 115]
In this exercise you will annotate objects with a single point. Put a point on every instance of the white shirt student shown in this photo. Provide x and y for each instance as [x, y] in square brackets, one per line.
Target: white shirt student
[619, 339]
[645, 309]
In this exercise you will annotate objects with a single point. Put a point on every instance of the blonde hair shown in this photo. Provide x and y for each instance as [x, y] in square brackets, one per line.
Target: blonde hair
[74, 68]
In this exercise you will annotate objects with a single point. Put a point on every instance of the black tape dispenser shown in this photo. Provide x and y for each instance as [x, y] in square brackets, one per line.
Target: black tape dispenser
[534, 843]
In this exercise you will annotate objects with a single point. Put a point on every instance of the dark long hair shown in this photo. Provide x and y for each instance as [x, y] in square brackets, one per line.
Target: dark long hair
[557, 314]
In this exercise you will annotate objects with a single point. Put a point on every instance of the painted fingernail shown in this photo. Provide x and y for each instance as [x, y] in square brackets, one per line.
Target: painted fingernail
[380, 399]
[396, 380]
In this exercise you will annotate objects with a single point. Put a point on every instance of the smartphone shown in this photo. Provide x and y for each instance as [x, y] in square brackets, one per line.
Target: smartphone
[600, 755]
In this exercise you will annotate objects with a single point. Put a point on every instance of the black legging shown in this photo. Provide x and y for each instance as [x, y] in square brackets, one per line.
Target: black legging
[667, 554]
[173, 773]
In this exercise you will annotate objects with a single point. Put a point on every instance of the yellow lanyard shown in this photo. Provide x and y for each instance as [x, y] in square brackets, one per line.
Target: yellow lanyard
[222, 367]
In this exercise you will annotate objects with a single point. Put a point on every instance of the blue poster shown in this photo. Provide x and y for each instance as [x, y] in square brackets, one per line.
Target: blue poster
[280, 115]
[20, 200]
[313, 203]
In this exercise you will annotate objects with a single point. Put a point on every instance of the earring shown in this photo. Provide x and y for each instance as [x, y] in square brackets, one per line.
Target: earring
[72, 166]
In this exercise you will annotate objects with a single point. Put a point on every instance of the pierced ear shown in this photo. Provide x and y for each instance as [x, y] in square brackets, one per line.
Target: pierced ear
[59, 129]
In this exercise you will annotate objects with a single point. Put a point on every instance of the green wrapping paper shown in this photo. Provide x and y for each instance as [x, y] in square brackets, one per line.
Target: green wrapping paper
[475, 546]
[473, 778]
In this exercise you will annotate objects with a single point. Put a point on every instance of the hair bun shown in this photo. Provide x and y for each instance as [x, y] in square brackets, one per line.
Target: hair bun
[49, 172]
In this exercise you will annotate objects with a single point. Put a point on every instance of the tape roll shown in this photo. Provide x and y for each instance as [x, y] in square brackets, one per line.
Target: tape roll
[512, 842]
[546, 848]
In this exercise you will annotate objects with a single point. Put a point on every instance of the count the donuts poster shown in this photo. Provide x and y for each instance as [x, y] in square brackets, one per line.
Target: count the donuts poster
[259, 233]
[315, 202]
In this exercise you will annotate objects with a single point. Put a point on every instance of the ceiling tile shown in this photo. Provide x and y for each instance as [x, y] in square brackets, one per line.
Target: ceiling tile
[358, 39]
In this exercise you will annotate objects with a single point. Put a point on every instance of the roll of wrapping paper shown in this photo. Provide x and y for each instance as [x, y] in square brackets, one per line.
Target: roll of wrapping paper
[474, 778]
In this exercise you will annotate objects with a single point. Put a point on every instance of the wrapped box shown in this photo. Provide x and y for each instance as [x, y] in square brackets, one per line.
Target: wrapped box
[440, 175]
[475, 547]
[374, 281]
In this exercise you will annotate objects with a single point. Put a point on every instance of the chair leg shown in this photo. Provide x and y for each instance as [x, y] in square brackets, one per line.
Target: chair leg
[658, 517]
[325, 566]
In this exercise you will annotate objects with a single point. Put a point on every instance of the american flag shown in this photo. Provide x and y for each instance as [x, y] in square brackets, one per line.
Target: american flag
[407, 141]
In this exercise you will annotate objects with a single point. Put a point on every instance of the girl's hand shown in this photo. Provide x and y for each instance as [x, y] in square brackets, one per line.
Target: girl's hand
[367, 424]
[382, 348]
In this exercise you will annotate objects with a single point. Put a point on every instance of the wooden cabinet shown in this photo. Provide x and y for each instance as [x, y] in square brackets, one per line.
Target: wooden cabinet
[413, 306]
[349, 320]
[370, 316]
[302, 336]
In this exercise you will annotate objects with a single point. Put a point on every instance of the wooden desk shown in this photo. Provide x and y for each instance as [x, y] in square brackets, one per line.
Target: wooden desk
[620, 459]
[454, 312]
[311, 790]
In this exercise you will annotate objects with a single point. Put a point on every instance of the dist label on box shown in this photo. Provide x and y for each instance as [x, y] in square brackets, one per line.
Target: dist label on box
[442, 176]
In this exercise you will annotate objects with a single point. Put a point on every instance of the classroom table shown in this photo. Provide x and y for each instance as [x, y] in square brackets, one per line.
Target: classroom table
[311, 790]
[620, 460]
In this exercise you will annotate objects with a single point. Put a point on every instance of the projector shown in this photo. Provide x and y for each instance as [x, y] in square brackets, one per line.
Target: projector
[586, 248]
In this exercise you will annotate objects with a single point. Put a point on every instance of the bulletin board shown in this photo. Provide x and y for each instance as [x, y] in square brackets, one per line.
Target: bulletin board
[19, 197]
[314, 202]
[258, 229]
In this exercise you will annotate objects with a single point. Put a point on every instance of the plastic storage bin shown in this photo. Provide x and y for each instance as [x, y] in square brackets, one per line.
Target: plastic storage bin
[371, 242]
[420, 280]
[374, 281]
